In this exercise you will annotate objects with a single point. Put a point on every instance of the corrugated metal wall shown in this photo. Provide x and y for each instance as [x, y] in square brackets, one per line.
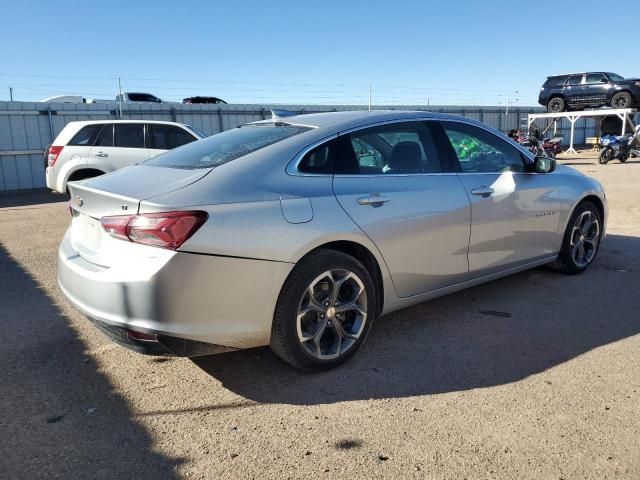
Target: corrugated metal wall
[26, 128]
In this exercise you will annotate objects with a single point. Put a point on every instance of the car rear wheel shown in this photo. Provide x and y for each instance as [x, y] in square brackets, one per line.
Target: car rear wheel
[556, 105]
[581, 240]
[621, 100]
[324, 311]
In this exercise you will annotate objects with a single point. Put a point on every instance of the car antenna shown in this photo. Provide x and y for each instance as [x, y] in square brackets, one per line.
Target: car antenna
[277, 115]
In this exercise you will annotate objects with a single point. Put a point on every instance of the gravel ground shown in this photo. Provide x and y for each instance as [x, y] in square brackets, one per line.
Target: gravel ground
[532, 376]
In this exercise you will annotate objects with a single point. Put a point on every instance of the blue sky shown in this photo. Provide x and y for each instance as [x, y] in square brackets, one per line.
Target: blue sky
[411, 52]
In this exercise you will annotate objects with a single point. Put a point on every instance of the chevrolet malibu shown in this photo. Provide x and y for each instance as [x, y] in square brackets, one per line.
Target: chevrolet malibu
[299, 232]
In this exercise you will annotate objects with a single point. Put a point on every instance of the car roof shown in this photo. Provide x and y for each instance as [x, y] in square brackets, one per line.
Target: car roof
[95, 122]
[355, 118]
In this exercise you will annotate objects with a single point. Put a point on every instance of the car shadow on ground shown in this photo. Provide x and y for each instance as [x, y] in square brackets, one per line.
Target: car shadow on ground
[27, 198]
[59, 416]
[494, 334]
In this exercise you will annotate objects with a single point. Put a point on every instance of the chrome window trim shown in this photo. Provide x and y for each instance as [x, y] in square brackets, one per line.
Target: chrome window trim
[292, 166]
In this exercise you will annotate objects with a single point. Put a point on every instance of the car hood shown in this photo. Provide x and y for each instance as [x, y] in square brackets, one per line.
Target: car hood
[567, 170]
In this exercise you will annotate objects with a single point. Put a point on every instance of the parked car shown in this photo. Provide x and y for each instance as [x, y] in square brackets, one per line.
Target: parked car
[88, 149]
[210, 100]
[65, 99]
[576, 91]
[137, 97]
[300, 232]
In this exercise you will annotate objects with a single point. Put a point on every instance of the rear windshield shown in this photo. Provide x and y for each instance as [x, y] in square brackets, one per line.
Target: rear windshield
[226, 146]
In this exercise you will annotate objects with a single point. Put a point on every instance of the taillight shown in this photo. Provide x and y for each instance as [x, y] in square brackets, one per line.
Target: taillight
[165, 230]
[54, 153]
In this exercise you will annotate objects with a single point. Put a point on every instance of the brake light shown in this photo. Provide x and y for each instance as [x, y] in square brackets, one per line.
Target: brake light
[54, 153]
[165, 230]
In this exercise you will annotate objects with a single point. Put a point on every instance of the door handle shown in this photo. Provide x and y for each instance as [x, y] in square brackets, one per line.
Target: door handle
[102, 154]
[374, 199]
[484, 191]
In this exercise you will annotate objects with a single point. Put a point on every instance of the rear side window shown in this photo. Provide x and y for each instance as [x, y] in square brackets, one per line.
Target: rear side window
[402, 148]
[555, 81]
[226, 146]
[129, 135]
[320, 159]
[87, 135]
[106, 139]
[168, 137]
[575, 79]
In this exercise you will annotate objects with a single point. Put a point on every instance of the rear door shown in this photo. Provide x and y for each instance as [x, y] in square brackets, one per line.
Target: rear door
[515, 212]
[161, 137]
[120, 145]
[573, 91]
[390, 180]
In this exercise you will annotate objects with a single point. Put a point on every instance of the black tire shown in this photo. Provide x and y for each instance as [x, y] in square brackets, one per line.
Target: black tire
[566, 263]
[556, 105]
[605, 156]
[285, 341]
[621, 100]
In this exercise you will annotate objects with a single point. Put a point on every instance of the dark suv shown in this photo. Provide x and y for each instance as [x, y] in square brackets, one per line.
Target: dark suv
[576, 91]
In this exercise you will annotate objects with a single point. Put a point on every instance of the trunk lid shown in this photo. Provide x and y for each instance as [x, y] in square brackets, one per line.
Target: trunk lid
[118, 193]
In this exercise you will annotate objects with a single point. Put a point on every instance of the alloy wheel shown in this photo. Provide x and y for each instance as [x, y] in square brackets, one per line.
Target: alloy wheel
[585, 236]
[332, 314]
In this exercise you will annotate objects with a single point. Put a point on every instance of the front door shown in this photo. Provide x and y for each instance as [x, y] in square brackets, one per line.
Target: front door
[390, 180]
[515, 214]
[596, 88]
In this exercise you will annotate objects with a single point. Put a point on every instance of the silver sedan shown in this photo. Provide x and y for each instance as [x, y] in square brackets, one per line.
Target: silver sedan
[299, 232]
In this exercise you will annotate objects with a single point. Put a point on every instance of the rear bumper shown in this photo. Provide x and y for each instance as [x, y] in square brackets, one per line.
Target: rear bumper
[220, 301]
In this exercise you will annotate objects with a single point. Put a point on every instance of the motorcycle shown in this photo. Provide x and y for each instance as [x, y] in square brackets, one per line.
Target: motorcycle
[553, 145]
[615, 147]
[618, 147]
[539, 148]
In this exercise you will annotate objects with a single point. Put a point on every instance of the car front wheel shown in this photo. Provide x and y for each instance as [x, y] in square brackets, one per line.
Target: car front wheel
[581, 240]
[324, 311]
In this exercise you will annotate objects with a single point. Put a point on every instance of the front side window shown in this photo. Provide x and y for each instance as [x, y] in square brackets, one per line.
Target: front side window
[168, 137]
[129, 135]
[596, 78]
[87, 135]
[480, 151]
[615, 77]
[402, 148]
[226, 146]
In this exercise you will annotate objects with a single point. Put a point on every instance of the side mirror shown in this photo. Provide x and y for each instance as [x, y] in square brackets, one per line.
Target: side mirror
[544, 164]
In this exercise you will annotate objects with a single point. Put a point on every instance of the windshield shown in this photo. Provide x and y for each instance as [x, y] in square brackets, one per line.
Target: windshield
[615, 77]
[225, 147]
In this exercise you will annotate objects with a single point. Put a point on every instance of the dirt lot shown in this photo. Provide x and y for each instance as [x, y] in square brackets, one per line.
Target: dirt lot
[533, 376]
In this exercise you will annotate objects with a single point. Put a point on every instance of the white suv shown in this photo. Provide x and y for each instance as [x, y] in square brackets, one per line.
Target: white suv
[88, 149]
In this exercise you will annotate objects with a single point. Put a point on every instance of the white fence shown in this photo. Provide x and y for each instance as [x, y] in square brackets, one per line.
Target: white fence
[26, 128]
